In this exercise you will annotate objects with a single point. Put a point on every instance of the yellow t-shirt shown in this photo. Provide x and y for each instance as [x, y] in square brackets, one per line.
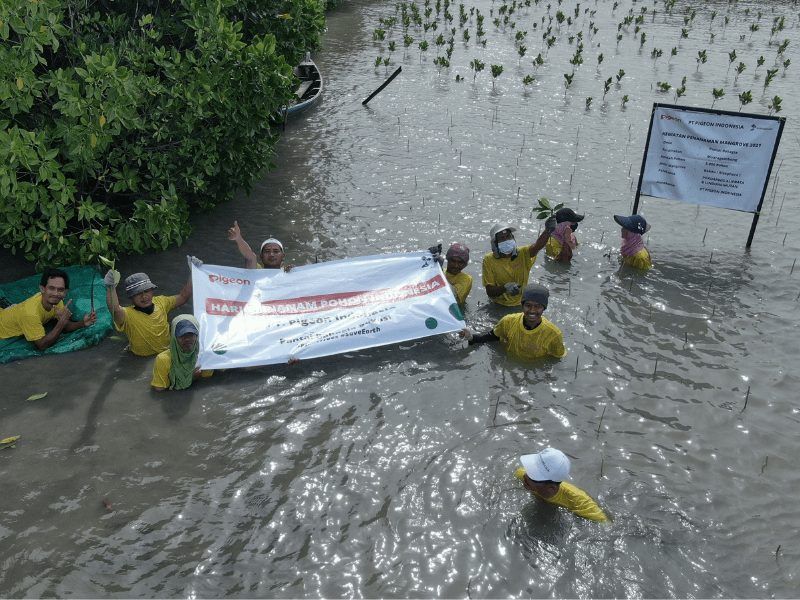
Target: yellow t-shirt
[553, 247]
[161, 367]
[499, 271]
[577, 501]
[545, 340]
[462, 284]
[148, 334]
[26, 318]
[640, 260]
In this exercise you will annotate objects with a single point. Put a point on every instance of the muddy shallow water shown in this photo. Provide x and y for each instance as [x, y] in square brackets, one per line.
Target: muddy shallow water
[388, 472]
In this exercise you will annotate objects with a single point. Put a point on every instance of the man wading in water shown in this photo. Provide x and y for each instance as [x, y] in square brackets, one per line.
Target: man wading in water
[527, 335]
[506, 268]
[271, 252]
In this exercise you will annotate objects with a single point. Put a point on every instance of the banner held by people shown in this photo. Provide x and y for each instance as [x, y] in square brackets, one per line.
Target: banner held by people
[252, 317]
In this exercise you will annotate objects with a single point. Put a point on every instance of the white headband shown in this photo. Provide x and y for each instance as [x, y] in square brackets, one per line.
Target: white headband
[271, 241]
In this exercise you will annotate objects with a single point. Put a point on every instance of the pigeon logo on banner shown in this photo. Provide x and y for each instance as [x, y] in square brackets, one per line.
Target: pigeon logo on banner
[214, 278]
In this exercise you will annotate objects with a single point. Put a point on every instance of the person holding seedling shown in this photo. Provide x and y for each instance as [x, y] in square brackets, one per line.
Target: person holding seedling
[506, 268]
[145, 322]
[562, 240]
[634, 253]
[543, 473]
[526, 335]
[271, 253]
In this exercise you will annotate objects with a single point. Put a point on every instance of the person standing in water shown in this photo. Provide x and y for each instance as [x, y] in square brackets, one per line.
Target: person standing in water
[457, 256]
[562, 240]
[634, 252]
[543, 473]
[176, 368]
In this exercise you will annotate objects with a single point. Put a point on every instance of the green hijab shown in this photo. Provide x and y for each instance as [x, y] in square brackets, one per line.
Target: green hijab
[181, 371]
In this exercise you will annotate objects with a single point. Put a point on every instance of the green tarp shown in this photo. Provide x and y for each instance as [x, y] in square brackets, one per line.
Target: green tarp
[80, 291]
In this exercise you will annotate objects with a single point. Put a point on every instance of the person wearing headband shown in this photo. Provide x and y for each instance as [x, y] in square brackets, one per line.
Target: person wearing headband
[176, 368]
[506, 268]
[270, 255]
[562, 240]
[634, 253]
[526, 335]
[146, 321]
[543, 473]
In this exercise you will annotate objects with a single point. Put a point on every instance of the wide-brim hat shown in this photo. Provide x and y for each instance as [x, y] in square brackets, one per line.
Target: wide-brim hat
[498, 227]
[568, 215]
[634, 223]
[548, 465]
[138, 283]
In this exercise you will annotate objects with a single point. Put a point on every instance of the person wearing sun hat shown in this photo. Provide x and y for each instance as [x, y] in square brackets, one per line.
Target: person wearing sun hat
[176, 368]
[543, 473]
[562, 240]
[270, 255]
[634, 253]
[526, 335]
[146, 322]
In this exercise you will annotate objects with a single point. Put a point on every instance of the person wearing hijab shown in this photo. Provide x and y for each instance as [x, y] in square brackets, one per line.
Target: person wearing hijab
[634, 253]
[457, 258]
[563, 241]
[526, 335]
[176, 368]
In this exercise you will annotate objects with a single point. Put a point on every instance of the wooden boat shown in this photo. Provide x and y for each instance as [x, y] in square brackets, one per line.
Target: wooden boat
[309, 91]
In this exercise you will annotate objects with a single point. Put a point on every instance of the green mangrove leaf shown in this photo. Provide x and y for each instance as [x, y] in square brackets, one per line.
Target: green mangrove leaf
[36, 397]
[8, 442]
[543, 215]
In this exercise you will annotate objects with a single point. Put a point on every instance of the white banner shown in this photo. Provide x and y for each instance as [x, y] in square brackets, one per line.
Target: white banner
[705, 157]
[254, 317]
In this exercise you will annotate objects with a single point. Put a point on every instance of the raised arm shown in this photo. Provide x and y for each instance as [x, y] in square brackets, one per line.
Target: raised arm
[250, 258]
[112, 300]
[185, 293]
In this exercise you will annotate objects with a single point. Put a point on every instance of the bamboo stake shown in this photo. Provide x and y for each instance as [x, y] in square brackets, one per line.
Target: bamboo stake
[600, 424]
[746, 398]
[704, 235]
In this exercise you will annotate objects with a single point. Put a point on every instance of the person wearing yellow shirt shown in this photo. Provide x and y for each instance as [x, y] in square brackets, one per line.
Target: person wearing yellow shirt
[146, 321]
[271, 253]
[543, 473]
[457, 256]
[176, 368]
[634, 253]
[562, 240]
[29, 317]
[507, 267]
[526, 335]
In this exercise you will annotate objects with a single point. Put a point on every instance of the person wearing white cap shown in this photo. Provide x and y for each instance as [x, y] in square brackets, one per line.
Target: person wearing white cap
[146, 322]
[543, 473]
[506, 268]
[526, 335]
[271, 253]
[176, 368]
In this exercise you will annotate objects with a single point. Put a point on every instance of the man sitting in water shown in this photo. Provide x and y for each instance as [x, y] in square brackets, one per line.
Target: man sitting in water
[176, 368]
[146, 322]
[526, 335]
[634, 253]
[506, 268]
[29, 317]
[562, 240]
[457, 256]
[544, 473]
[271, 252]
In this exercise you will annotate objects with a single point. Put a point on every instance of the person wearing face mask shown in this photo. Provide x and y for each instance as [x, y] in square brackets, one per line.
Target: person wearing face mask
[526, 335]
[507, 267]
[562, 240]
[145, 323]
[271, 253]
[176, 368]
[634, 253]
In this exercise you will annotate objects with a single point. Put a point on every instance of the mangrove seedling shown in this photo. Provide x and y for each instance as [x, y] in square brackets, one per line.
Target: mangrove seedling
[538, 61]
[392, 46]
[731, 58]
[497, 70]
[619, 38]
[465, 36]
[379, 35]
[459, 78]
[739, 70]
[775, 105]
[783, 46]
[568, 81]
[717, 93]
[759, 62]
[673, 52]
[753, 28]
[606, 87]
[642, 39]
[476, 66]
[770, 76]
[702, 57]
[588, 102]
[656, 54]
[786, 64]
[663, 86]
[620, 75]
[521, 50]
[684, 33]
[624, 100]
[378, 61]
[680, 91]
[599, 59]
[546, 210]
[745, 98]
[527, 80]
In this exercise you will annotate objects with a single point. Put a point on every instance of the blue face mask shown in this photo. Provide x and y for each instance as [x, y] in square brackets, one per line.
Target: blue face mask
[507, 247]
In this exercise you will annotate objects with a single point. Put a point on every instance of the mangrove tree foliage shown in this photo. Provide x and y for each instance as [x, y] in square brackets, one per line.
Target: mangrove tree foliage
[118, 118]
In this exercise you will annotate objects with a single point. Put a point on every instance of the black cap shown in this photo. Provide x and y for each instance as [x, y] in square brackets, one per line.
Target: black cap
[567, 214]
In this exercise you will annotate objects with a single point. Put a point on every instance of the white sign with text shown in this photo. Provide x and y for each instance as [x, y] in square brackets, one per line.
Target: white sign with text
[709, 158]
[252, 317]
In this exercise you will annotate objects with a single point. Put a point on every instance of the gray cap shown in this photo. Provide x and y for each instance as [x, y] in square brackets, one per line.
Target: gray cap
[536, 293]
[498, 227]
[138, 283]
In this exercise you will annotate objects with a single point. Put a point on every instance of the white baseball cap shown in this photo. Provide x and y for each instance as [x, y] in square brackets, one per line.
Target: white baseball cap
[548, 465]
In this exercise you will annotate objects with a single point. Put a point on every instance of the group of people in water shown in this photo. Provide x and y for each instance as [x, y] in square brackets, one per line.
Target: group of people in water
[527, 335]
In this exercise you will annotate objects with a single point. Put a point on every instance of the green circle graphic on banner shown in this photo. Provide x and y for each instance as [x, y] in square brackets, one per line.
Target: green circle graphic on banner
[455, 310]
[431, 323]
